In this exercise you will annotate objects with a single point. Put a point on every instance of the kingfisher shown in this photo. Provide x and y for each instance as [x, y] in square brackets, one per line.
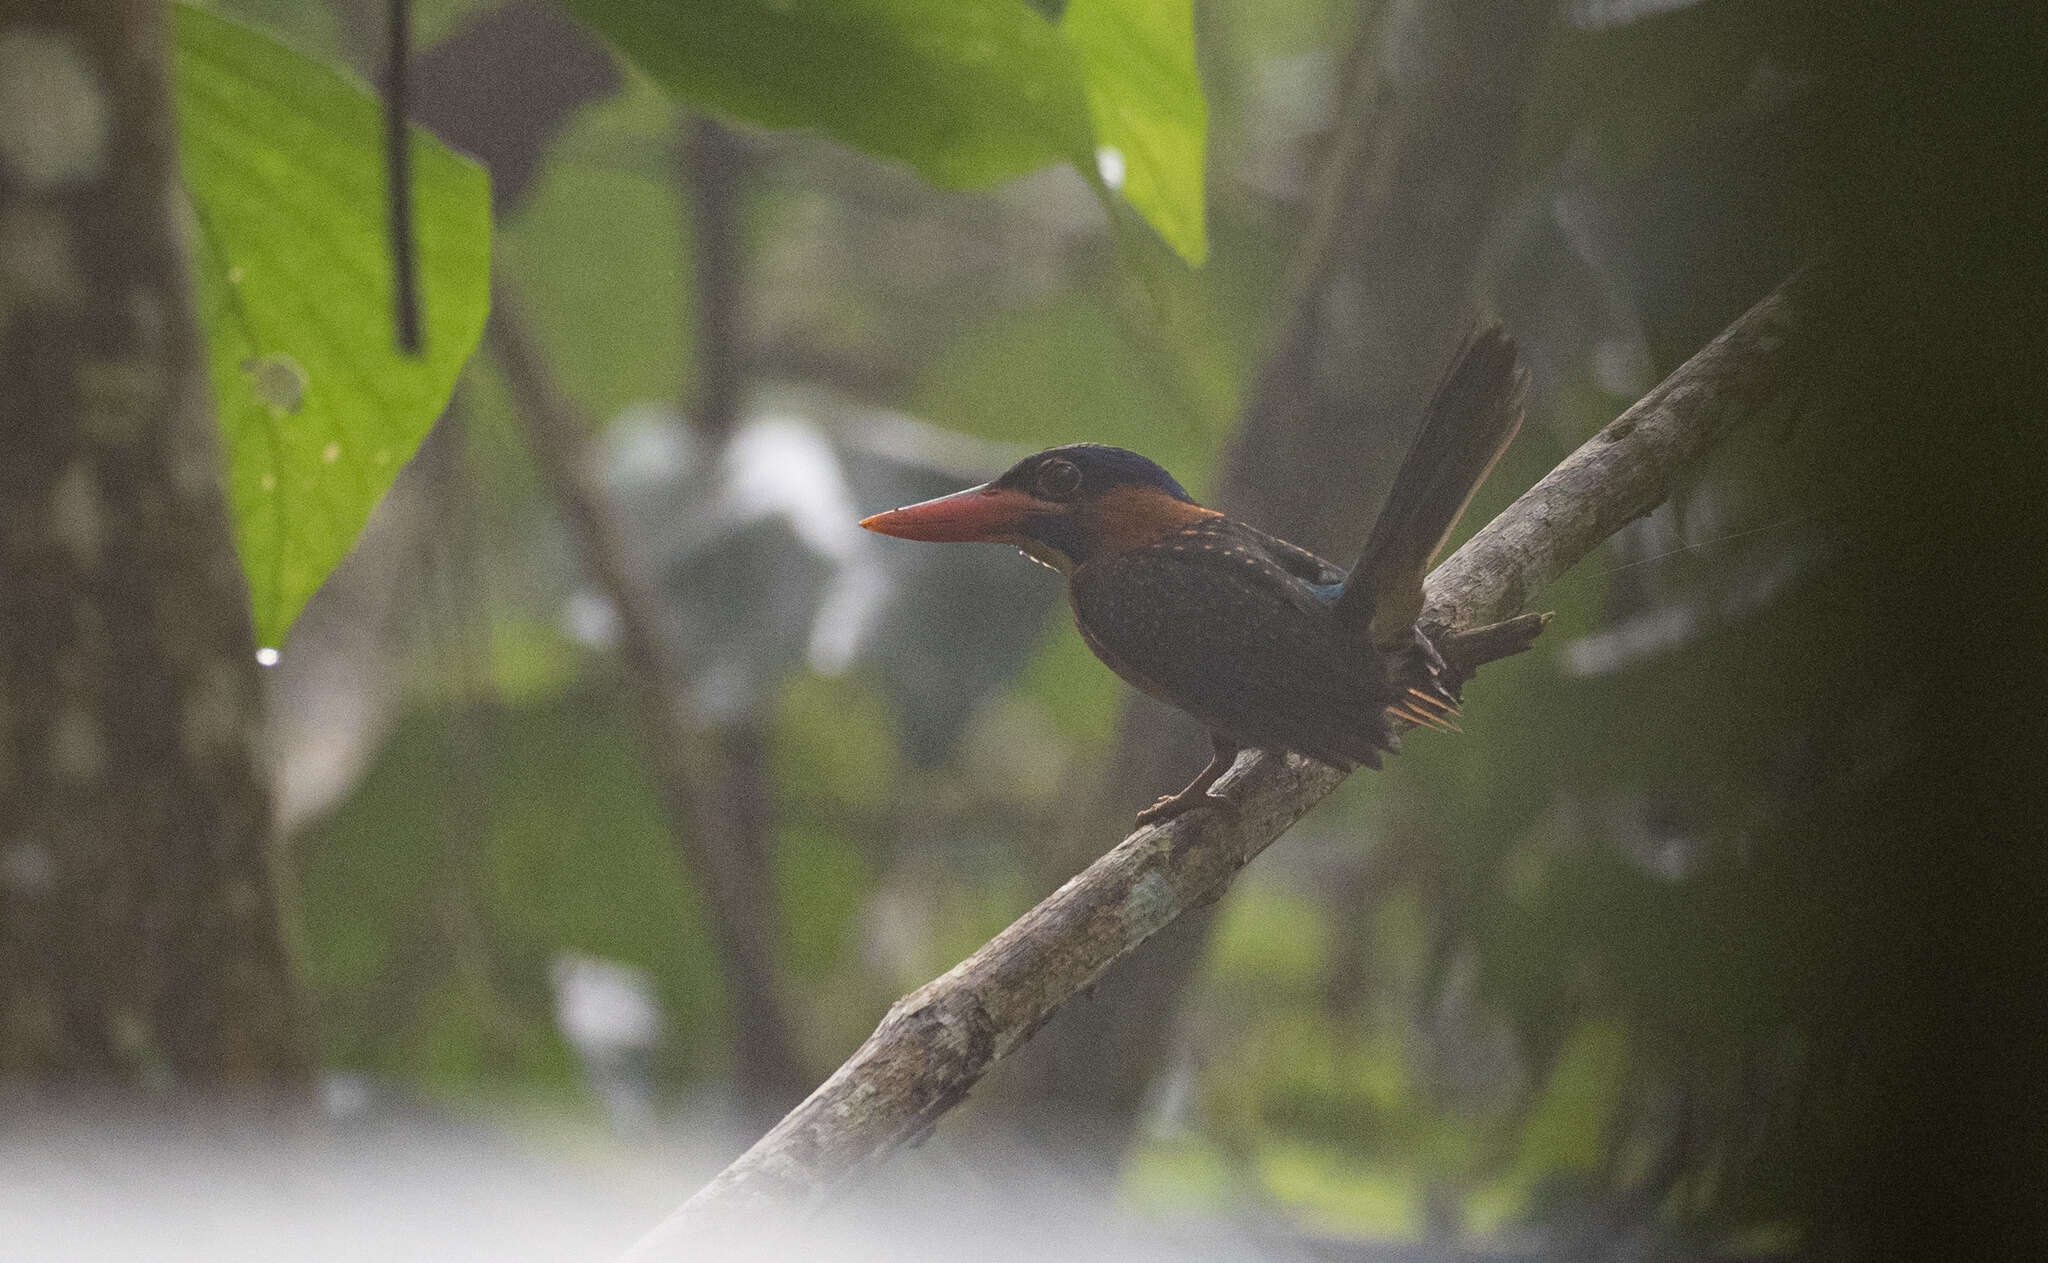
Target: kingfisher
[1264, 643]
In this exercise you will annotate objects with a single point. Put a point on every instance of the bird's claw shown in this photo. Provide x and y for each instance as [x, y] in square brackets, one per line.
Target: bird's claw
[1180, 804]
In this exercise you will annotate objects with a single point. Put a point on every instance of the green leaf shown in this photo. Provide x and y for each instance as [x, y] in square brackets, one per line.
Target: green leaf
[318, 409]
[966, 91]
[1138, 62]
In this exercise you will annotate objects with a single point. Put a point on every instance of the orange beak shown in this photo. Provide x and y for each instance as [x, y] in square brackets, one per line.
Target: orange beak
[978, 513]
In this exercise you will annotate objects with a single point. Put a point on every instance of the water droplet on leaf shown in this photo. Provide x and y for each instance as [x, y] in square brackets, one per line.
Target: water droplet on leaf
[1109, 161]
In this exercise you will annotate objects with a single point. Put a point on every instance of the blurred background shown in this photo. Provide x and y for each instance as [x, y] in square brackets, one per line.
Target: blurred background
[623, 782]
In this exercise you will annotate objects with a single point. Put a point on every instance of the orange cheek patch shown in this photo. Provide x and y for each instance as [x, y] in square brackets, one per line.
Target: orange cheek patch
[1131, 517]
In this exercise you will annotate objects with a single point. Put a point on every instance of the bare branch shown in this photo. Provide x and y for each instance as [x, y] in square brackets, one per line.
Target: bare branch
[937, 1042]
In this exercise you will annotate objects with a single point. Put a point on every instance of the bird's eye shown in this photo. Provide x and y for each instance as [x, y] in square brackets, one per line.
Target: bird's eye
[1058, 479]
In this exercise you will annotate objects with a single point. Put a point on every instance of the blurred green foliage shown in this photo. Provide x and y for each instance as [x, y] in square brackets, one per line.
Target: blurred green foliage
[319, 409]
[614, 321]
[966, 91]
[547, 839]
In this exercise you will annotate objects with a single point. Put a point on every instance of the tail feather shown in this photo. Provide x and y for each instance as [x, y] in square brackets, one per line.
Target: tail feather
[1471, 420]
[1441, 704]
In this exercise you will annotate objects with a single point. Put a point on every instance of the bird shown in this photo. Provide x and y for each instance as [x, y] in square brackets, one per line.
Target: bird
[1264, 643]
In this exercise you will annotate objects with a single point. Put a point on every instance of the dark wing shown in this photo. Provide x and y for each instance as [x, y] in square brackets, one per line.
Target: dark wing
[1209, 621]
[1293, 558]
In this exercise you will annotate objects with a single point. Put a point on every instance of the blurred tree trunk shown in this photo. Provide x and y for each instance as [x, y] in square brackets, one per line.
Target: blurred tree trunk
[712, 810]
[141, 944]
[1416, 169]
[713, 171]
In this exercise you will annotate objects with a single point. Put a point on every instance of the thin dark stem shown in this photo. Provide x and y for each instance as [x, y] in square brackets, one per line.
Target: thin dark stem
[398, 176]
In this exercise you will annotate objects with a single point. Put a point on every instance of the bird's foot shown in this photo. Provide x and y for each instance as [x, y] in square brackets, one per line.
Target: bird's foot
[1189, 799]
[1427, 696]
[1198, 793]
